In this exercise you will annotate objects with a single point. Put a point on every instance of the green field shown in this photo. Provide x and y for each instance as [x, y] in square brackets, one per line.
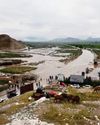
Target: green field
[9, 55]
[73, 54]
[48, 44]
[85, 45]
[94, 46]
[97, 52]
[17, 69]
[12, 55]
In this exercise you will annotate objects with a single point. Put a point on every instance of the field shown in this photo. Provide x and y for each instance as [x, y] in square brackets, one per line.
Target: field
[97, 52]
[17, 69]
[94, 46]
[73, 54]
[85, 45]
[35, 45]
[12, 55]
[9, 55]
[3, 85]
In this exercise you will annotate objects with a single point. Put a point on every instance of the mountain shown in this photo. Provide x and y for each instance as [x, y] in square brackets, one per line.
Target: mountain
[91, 39]
[68, 39]
[8, 43]
[35, 39]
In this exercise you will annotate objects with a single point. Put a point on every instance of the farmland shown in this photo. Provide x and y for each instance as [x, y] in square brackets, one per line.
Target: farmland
[17, 69]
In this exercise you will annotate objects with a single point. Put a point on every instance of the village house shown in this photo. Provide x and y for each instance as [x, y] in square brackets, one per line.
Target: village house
[76, 78]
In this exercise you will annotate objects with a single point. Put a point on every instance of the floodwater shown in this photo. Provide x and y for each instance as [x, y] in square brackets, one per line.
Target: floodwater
[52, 66]
[94, 73]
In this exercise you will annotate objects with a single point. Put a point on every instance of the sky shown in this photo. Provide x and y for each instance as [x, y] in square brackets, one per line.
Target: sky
[49, 19]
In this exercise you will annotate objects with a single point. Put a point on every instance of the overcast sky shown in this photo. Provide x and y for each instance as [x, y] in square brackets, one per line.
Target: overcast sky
[50, 18]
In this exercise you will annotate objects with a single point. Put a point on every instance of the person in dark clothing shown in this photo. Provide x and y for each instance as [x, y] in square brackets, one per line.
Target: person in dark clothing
[56, 77]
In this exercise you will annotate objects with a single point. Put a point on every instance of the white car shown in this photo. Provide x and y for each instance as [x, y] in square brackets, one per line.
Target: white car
[76, 85]
[1, 100]
[87, 86]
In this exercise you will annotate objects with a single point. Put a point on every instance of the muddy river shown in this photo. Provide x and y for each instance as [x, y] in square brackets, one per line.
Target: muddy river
[52, 65]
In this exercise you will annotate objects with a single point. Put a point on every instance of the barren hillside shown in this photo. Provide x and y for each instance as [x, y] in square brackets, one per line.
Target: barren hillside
[8, 43]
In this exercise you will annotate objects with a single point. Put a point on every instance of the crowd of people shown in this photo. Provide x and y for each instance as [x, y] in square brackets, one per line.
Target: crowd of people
[51, 79]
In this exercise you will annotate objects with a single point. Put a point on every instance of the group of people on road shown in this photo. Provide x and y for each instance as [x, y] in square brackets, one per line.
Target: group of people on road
[51, 79]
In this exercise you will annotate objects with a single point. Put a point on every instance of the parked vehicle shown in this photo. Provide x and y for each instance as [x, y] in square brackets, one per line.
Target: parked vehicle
[87, 86]
[1, 100]
[76, 85]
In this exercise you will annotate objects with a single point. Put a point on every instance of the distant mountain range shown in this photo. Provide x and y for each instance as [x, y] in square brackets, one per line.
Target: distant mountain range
[67, 39]
[36, 39]
[71, 39]
[93, 39]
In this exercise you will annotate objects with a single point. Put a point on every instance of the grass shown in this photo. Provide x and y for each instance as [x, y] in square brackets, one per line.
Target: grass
[2, 82]
[58, 117]
[87, 45]
[36, 63]
[63, 113]
[97, 52]
[87, 96]
[73, 54]
[14, 108]
[3, 88]
[72, 90]
[48, 44]
[10, 55]
[94, 46]
[3, 120]
[21, 98]
[78, 118]
[53, 115]
[17, 69]
[59, 114]
[69, 105]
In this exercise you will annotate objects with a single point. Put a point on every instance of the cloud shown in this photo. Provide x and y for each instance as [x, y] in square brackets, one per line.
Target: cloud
[50, 18]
